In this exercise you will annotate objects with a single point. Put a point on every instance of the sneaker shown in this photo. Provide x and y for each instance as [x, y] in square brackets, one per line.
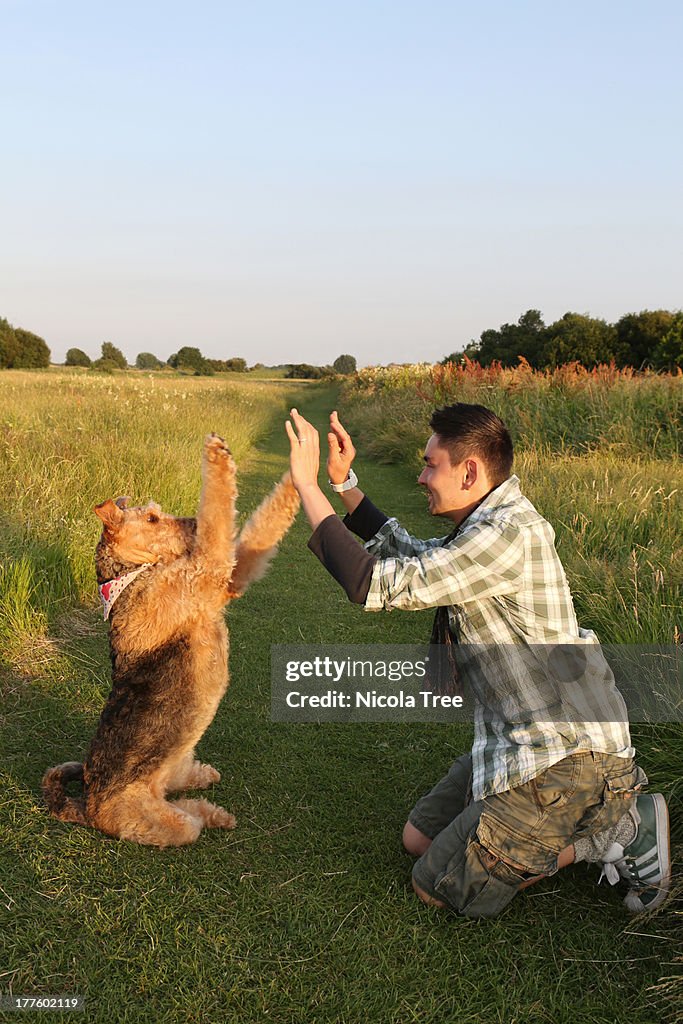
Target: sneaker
[646, 862]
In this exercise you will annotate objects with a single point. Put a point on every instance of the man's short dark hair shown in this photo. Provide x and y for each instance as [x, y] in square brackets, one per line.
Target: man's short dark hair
[467, 430]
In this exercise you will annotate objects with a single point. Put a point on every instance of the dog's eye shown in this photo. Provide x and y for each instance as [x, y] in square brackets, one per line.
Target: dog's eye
[152, 518]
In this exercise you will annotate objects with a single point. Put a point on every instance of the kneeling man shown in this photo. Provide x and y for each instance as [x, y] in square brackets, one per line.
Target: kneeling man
[540, 788]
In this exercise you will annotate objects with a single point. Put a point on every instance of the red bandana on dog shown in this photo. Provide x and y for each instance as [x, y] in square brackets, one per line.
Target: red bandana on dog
[112, 589]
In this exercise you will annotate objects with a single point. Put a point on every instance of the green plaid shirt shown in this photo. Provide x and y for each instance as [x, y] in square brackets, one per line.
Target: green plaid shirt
[541, 685]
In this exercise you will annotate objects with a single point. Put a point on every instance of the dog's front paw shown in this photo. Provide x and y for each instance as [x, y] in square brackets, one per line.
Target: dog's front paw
[217, 451]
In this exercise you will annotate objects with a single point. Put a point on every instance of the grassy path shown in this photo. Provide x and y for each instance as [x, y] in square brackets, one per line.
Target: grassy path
[304, 913]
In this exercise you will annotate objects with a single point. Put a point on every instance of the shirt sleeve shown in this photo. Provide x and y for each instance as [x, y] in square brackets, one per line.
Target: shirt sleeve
[343, 557]
[365, 520]
[485, 561]
[393, 540]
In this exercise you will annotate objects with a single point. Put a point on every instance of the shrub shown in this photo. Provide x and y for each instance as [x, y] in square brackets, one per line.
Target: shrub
[77, 357]
[105, 366]
[148, 361]
[9, 346]
[112, 354]
[190, 358]
[344, 364]
[21, 349]
[306, 371]
[33, 351]
[234, 365]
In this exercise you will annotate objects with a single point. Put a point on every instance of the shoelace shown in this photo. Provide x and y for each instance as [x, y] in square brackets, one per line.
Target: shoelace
[610, 872]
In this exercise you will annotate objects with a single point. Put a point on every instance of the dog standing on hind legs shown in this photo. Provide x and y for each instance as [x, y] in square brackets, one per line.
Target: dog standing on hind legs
[164, 582]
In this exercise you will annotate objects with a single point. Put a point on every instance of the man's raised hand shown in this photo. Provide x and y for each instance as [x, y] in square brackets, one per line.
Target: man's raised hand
[341, 451]
[304, 451]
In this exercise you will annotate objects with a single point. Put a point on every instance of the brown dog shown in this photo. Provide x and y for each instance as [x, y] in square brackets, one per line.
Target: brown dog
[164, 582]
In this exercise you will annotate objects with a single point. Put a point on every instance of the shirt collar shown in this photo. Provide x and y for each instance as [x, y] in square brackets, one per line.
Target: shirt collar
[506, 493]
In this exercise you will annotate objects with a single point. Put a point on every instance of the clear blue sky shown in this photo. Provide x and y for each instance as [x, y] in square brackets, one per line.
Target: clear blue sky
[289, 181]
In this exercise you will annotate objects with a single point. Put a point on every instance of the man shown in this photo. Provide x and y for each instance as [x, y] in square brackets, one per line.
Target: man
[551, 778]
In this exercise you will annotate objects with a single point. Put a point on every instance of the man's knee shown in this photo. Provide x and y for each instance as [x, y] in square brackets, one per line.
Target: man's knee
[467, 878]
[415, 842]
[425, 897]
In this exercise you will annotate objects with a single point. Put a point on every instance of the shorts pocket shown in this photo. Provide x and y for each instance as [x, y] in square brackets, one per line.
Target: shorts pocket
[518, 850]
[620, 789]
[482, 886]
[555, 786]
[626, 783]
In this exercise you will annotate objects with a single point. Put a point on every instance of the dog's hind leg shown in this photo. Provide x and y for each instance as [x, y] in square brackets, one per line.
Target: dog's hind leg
[190, 773]
[140, 817]
[210, 814]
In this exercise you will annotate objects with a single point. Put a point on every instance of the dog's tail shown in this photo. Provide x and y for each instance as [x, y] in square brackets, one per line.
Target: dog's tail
[66, 808]
[261, 534]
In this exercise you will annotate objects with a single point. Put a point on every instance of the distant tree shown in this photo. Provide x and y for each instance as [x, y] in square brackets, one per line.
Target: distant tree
[669, 353]
[505, 345]
[344, 364]
[77, 357]
[111, 353]
[9, 346]
[105, 366]
[147, 361]
[640, 334]
[189, 358]
[306, 371]
[471, 351]
[584, 339]
[33, 350]
[235, 365]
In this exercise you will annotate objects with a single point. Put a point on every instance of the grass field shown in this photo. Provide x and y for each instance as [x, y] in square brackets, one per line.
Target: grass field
[304, 913]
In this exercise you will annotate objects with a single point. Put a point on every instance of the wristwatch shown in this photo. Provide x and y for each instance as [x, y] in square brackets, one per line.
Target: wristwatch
[351, 481]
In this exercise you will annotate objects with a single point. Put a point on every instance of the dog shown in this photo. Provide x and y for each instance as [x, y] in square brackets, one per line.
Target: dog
[164, 582]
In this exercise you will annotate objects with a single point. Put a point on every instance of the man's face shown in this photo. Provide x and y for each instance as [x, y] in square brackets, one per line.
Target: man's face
[441, 480]
[452, 491]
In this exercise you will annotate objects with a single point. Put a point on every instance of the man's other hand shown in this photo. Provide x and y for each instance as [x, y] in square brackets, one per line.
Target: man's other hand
[341, 451]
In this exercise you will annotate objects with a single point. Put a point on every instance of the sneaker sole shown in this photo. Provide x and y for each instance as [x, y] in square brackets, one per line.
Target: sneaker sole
[632, 900]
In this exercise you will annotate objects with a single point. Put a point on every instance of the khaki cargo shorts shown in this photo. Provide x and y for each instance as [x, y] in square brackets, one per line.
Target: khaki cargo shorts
[484, 852]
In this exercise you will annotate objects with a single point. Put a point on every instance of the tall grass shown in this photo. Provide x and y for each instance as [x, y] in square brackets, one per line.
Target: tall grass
[67, 442]
[569, 409]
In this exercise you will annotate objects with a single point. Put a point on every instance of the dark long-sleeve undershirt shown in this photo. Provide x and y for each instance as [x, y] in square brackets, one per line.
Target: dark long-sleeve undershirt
[349, 563]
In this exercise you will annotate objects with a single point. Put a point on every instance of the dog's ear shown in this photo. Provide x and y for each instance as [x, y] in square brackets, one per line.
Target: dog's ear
[122, 502]
[109, 512]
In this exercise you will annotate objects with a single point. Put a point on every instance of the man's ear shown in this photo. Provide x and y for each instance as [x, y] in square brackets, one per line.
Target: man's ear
[471, 473]
[110, 513]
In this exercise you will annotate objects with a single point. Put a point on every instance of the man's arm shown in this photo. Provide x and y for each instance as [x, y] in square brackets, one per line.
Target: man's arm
[352, 566]
[484, 562]
[363, 518]
[344, 558]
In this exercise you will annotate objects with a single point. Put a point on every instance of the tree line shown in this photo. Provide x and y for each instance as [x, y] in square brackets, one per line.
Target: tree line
[187, 359]
[651, 338]
[22, 349]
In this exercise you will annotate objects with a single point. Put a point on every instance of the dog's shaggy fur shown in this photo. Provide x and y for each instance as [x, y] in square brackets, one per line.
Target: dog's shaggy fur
[169, 652]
